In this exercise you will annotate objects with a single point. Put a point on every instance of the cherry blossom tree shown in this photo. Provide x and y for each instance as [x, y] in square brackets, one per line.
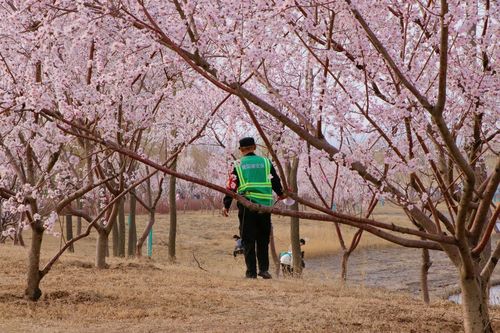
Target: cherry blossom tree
[411, 85]
[418, 80]
[54, 59]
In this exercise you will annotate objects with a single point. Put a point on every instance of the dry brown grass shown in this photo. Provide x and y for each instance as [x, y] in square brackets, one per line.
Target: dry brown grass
[157, 296]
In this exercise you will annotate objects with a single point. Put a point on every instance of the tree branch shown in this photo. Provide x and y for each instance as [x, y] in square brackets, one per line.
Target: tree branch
[381, 49]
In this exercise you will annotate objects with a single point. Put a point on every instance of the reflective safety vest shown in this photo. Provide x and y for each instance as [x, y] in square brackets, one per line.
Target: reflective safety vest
[254, 178]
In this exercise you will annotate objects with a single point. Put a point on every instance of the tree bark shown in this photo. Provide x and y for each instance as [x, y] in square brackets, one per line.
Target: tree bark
[173, 215]
[33, 291]
[69, 232]
[18, 238]
[345, 259]
[144, 236]
[274, 254]
[295, 241]
[475, 306]
[295, 221]
[426, 264]
[79, 219]
[102, 245]
[121, 228]
[115, 237]
[132, 230]
[475, 289]
[90, 172]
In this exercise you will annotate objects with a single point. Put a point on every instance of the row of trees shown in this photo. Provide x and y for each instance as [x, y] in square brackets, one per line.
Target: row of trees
[395, 101]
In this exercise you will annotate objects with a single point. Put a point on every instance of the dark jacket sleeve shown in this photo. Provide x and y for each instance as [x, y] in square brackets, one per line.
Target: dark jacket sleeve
[232, 184]
[276, 182]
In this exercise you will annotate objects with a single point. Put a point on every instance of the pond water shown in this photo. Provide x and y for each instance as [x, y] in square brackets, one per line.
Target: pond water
[393, 268]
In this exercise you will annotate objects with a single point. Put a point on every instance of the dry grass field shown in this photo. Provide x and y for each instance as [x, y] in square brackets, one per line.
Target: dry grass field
[154, 295]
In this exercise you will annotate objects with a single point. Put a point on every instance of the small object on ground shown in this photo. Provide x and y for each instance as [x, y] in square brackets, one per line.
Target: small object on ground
[286, 260]
[286, 263]
[238, 248]
[288, 201]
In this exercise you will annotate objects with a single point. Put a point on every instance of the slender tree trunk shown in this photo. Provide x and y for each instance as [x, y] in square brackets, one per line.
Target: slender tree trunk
[345, 259]
[132, 230]
[90, 172]
[19, 240]
[116, 238]
[69, 231]
[172, 234]
[18, 237]
[107, 247]
[424, 272]
[79, 219]
[475, 306]
[144, 236]
[121, 228]
[274, 253]
[102, 245]
[294, 221]
[348, 251]
[33, 291]
[295, 241]
[1, 219]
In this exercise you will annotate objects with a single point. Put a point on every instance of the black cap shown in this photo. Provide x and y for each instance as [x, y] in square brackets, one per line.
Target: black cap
[247, 142]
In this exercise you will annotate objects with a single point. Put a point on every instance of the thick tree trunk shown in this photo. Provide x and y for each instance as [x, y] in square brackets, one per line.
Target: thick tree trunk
[144, 236]
[426, 264]
[132, 230]
[102, 245]
[33, 291]
[172, 234]
[475, 306]
[69, 231]
[121, 228]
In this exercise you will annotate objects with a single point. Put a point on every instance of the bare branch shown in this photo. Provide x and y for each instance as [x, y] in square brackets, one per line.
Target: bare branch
[443, 60]
[381, 49]
[487, 196]
[491, 264]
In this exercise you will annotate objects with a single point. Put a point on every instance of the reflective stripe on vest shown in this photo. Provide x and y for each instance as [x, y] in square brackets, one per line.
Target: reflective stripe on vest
[254, 179]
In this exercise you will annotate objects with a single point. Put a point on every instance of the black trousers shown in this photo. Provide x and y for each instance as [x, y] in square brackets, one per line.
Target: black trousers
[255, 229]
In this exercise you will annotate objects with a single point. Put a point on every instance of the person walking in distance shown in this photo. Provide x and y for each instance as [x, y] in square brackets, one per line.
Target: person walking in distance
[255, 178]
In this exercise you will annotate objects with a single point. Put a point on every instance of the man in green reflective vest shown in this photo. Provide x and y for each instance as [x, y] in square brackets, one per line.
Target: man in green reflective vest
[255, 178]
